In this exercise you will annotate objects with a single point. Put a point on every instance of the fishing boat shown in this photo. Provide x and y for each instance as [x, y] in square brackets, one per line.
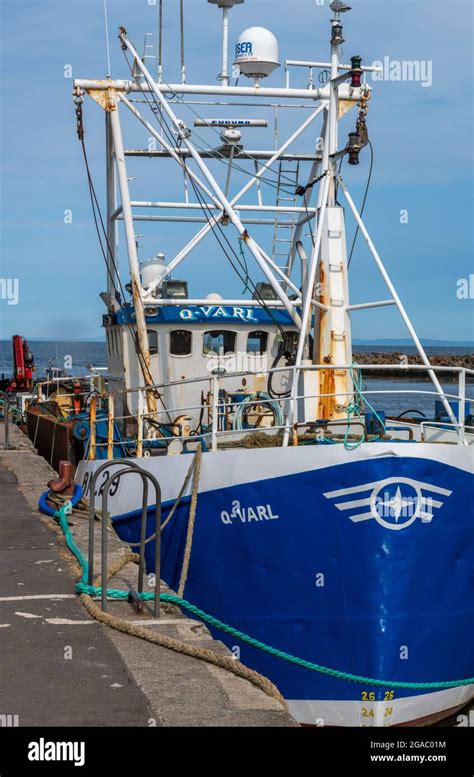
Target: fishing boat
[293, 509]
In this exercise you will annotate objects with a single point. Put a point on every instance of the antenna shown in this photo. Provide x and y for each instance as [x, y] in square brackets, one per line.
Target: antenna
[160, 44]
[181, 28]
[107, 44]
[226, 5]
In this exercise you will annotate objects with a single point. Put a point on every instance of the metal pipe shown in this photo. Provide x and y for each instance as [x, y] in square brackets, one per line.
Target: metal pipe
[353, 94]
[215, 412]
[365, 305]
[225, 45]
[244, 155]
[188, 220]
[110, 428]
[325, 159]
[397, 300]
[92, 427]
[210, 206]
[143, 523]
[462, 407]
[6, 419]
[326, 65]
[132, 252]
[333, 111]
[111, 206]
[181, 27]
[139, 448]
[243, 303]
[304, 263]
[229, 172]
[160, 42]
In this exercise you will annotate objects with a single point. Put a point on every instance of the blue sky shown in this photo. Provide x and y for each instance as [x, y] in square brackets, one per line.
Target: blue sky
[422, 139]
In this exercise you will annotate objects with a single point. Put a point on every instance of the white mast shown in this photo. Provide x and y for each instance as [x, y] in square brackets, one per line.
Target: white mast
[332, 328]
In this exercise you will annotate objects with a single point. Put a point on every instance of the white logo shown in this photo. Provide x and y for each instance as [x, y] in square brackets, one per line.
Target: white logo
[248, 514]
[395, 503]
[44, 750]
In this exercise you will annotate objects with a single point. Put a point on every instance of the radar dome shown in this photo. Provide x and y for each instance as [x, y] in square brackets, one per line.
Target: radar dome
[256, 52]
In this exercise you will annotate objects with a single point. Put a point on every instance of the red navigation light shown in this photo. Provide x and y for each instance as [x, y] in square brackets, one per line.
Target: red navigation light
[356, 72]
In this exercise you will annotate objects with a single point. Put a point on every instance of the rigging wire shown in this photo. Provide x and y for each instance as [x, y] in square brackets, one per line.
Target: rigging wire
[363, 201]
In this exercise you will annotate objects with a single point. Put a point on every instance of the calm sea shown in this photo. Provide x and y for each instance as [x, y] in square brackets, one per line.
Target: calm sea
[83, 354]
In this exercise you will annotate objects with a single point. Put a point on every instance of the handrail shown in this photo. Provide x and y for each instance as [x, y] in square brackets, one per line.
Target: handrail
[128, 467]
[216, 382]
[304, 368]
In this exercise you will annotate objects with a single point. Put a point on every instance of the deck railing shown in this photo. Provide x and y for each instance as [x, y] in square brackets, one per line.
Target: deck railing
[289, 405]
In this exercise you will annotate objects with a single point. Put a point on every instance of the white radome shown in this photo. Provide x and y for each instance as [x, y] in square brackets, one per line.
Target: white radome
[256, 52]
[213, 296]
[225, 3]
[151, 269]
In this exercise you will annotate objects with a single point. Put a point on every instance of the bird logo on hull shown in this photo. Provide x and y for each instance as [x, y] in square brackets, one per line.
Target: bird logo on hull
[395, 503]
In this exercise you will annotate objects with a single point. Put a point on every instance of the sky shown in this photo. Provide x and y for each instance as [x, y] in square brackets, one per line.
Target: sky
[421, 133]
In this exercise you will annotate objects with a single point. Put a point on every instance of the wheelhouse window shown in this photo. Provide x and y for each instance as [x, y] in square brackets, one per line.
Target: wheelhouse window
[181, 342]
[219, 341]
[257, 342]
[152, 341]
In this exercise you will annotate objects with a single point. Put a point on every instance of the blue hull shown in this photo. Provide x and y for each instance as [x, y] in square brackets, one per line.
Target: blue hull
[305, 572]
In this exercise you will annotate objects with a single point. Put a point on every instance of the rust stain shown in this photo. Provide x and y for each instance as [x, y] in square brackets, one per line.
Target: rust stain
[326, 405]
[327, 382]
[104, 97]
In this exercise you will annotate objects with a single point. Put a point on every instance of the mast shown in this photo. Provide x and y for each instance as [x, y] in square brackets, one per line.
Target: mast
[142, 337]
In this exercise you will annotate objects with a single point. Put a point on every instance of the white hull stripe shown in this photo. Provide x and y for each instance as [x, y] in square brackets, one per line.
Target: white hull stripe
[379, 713]
[228, 468]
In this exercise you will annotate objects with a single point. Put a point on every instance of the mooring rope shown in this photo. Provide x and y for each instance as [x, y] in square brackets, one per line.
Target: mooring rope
[192, 517]
[87, 592]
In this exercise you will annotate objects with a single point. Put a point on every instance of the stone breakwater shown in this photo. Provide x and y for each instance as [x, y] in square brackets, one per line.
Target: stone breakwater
[398, 357]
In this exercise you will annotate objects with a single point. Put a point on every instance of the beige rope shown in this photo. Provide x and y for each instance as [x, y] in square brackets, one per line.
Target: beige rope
[203, 654]
[192, 517]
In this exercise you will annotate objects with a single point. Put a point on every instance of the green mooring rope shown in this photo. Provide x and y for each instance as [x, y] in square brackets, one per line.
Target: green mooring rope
[83, 588]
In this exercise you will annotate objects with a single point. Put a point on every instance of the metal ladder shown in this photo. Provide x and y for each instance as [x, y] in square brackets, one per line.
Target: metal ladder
[285, 223]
